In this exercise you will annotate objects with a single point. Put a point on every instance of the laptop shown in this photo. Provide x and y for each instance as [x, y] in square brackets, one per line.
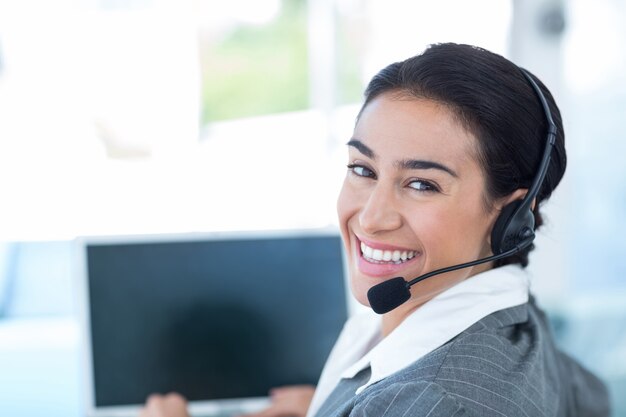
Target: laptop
[220, 318]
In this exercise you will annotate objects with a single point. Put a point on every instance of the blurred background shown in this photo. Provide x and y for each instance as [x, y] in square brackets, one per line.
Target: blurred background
[159, 116]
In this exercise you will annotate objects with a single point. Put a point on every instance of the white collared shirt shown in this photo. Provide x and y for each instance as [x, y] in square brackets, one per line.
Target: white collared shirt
[360, 343]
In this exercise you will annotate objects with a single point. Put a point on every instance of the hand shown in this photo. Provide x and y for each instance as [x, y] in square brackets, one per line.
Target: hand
[288, 401]
[170, 405]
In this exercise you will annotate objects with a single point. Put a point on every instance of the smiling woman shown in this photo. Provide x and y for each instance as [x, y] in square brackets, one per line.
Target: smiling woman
[450, 148]
[446, 144]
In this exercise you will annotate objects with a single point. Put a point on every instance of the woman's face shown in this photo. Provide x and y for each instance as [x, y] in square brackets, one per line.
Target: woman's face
[413, 198]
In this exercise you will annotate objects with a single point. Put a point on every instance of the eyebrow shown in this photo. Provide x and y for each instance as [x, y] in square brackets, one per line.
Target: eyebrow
[361, 147]
[405, 163]
[422, 164]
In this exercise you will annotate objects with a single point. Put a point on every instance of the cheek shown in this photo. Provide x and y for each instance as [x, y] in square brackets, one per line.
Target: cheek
[433, 228]
[453, 234]
[347, 207]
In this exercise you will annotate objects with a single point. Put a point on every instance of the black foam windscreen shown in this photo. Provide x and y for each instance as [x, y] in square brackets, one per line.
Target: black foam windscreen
[388, 295]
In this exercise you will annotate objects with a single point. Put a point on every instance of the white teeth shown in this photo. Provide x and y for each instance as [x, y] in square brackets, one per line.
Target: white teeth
[367, 251]
[380, 255]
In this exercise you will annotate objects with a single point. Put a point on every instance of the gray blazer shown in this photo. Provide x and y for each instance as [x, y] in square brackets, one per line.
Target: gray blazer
[504, 365]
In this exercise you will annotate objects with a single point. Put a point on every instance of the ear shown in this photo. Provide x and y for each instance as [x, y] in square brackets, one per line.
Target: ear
[508, 229]
[503, 202]
[518, 194]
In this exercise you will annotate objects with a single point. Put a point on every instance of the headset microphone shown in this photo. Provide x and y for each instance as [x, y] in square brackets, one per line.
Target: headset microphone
[392, 293]
[513, 230]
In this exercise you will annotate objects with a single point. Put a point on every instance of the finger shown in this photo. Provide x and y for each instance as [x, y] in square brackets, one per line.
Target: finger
[176, 399]
[271, 411]
[153, 399]
[172, 404]
[281, 391]
[288, 389]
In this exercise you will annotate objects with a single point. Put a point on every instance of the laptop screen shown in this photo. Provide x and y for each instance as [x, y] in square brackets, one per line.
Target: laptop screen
[212, 318]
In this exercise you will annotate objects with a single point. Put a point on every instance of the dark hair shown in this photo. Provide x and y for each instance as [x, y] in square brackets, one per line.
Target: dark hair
[492, 99]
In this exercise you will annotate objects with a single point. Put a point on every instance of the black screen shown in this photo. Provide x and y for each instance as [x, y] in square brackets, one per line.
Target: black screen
[212, 319]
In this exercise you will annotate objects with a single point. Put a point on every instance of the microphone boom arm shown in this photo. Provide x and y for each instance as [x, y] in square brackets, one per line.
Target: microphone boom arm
[506, 254]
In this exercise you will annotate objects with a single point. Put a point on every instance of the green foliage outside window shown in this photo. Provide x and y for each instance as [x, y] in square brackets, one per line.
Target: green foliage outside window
[258, 70]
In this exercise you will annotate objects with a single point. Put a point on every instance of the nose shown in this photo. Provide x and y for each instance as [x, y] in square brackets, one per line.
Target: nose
[380, 212]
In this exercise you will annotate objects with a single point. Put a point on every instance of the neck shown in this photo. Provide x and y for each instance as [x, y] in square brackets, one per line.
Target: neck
[391, 320]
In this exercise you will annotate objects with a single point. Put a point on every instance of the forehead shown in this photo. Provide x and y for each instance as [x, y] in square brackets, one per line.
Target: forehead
[398, 127]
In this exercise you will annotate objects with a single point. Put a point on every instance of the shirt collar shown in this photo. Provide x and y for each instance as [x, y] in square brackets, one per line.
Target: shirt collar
[441, 319]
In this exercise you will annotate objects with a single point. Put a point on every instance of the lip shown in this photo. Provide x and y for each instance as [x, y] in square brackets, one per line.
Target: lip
[386, 270]
[375, 245]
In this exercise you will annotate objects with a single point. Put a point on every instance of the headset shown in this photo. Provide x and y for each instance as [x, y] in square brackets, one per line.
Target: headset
[513, 230]
[516, 223]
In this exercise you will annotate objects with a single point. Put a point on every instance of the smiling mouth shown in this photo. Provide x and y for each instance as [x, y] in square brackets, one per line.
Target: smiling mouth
[379, 256]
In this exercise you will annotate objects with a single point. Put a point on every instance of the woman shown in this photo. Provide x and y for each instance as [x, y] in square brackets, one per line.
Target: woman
[444, 142]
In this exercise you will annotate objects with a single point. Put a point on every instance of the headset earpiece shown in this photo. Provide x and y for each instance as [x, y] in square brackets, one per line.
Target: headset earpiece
[514, 225]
